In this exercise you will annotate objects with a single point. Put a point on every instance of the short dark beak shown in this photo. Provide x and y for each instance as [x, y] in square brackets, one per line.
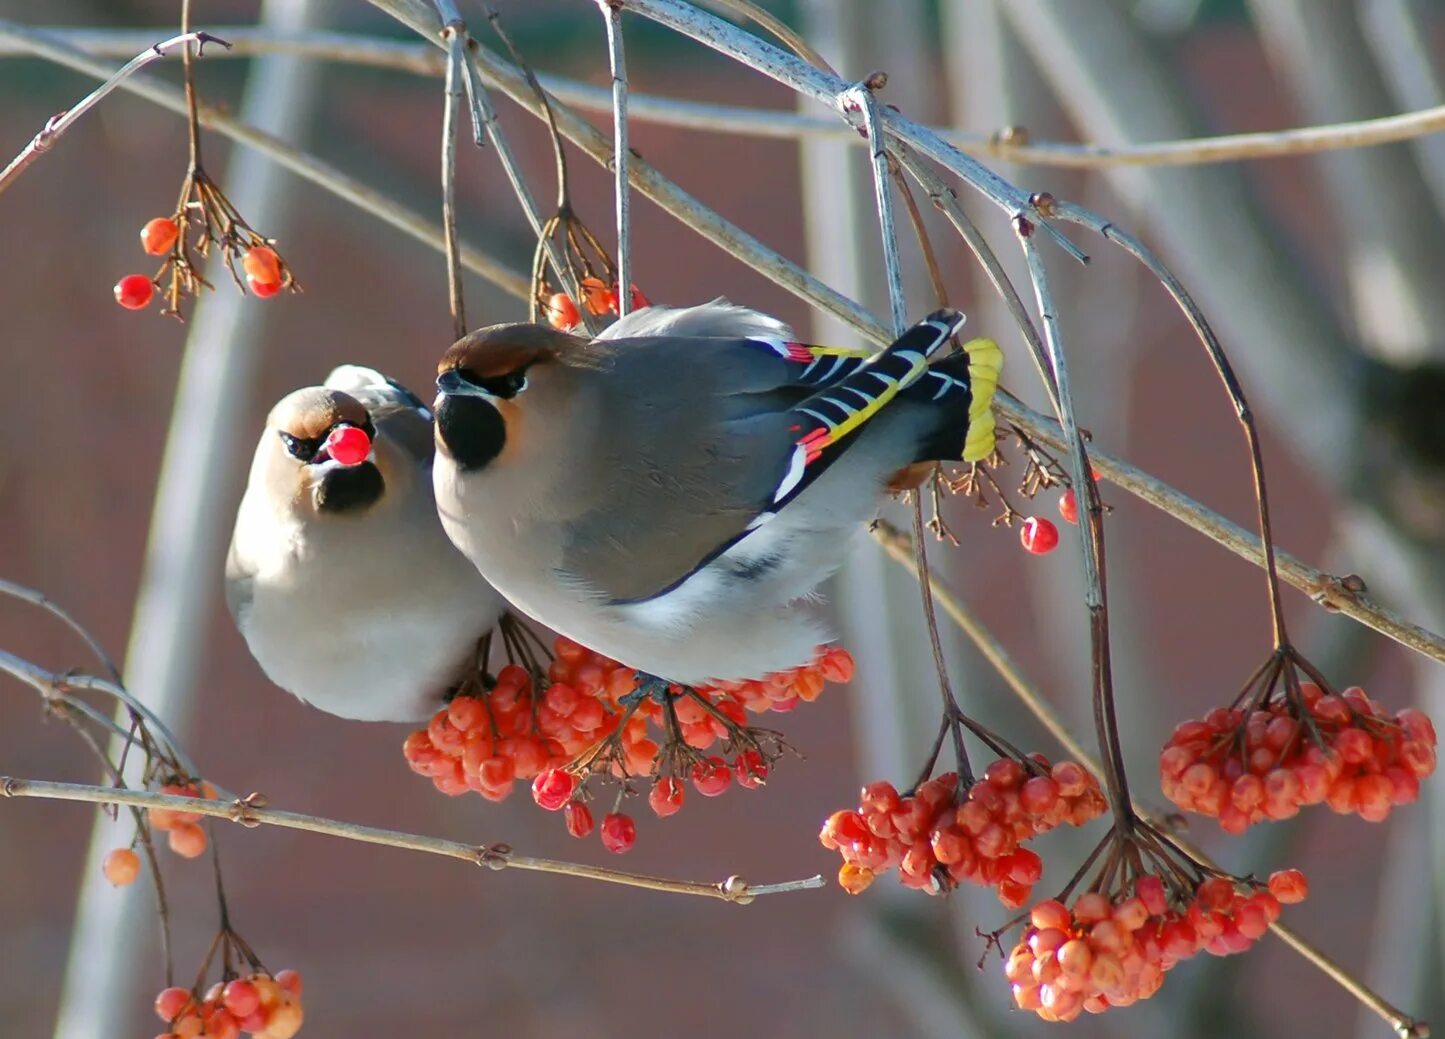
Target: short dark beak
[453, 383]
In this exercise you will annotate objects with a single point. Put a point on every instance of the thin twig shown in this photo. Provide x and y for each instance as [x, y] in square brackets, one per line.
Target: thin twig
[899, 548]
[612, 14]
[500, 856]
[58, 124]
[1012, 144]
[456, 57]
[304, 165]
[40, 599]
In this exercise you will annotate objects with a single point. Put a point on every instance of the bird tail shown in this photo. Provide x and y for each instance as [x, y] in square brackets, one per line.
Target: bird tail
[963, 385]
[373, 388]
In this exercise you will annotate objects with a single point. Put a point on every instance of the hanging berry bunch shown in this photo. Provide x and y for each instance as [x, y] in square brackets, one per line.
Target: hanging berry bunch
[1285, 743]
[247, 998]
[204, 218]
[587, 723]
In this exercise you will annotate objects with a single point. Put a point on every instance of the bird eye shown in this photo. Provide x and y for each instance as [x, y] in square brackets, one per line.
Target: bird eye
[299, 449]
[503, 386]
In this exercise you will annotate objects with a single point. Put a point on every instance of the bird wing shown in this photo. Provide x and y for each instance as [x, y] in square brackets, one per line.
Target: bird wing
[704, 440]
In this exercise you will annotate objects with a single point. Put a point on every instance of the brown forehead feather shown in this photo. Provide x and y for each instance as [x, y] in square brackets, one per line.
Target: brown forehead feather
[504, 349]
[309, 413]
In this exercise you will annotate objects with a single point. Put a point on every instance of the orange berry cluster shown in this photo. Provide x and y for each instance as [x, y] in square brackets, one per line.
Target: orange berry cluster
[183, 830]
[487, 743]
[263, 1006]
[266, 274]
[1104, 952]
[598, 297]
[1244, 767]
[938, 841]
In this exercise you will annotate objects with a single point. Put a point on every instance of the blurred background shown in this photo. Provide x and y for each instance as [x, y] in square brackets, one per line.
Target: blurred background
[1322, 275]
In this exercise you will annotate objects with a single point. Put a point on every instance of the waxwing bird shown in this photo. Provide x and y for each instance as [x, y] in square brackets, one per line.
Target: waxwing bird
[667, 493]
[340, 577]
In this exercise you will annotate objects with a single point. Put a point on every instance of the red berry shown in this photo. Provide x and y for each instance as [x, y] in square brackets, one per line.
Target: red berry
[187, 840]
[711, 777]
[1039, 536]
[290, 982]
[262, 289]
[666, 796]
[347, 444]
[752, 770]
[121, 867]
[241, 997]
[171, 1002]
[1289, 886]
[553, 788]
[134, 291]
[578, 818]
[562, 312]
[596, 294]
[263, 265]
[619, 833]
[1069, 506]
[159, 235]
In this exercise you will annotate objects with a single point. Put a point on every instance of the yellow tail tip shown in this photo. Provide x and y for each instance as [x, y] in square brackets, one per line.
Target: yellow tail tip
[985, 362]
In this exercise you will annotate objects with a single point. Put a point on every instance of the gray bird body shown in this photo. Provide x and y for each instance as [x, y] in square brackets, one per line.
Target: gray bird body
[628, 507]
[368, 612]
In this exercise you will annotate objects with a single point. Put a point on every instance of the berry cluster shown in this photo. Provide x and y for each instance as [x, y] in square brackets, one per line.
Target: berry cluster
[597, 296]
[265, 1007]
[938, 840]
[1104, 952]
[183, 830]
[266, 273]
[586, 723]
[1246, 766]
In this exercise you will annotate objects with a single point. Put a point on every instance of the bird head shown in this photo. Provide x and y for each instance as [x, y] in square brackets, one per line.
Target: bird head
[482, 381]
[319, 452]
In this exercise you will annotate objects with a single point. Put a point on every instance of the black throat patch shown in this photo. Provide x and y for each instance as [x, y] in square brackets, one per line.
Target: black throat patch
[472, 430]
[350, 488]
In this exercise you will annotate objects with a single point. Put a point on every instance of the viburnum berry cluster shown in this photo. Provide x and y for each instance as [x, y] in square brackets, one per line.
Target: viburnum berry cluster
[938, 837]
[1294, 744]
[184, 832]
[597, 296]
[1148, 907]
[260, 1005]
[592, 721]
[1108, 951]
[256, 1003]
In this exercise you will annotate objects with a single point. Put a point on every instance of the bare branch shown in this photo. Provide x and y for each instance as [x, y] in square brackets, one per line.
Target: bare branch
[58, 124]
[499, 856]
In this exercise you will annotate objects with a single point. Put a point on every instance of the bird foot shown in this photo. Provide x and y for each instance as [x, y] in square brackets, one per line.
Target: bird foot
[659, 689]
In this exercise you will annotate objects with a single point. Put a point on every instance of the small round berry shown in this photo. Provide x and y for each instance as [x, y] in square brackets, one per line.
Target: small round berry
[348, 445]
[285, 1021]
[171, 1002]
[260, 288]
[121, 867]
[1039, 535]
[262, 264]
[578, 818]
[290, 982]
[854, 879]
[187, 840]
[241, 997]
[1289, 886]
[711, 777]
[553, 788]
[619, 832]
[666, 796]
[159, 235]
[596, 294]
[134, 291]
[562, 313]
[1069, 506]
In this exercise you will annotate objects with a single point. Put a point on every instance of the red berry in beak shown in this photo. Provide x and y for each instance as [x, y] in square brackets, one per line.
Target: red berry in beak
[348, 445]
